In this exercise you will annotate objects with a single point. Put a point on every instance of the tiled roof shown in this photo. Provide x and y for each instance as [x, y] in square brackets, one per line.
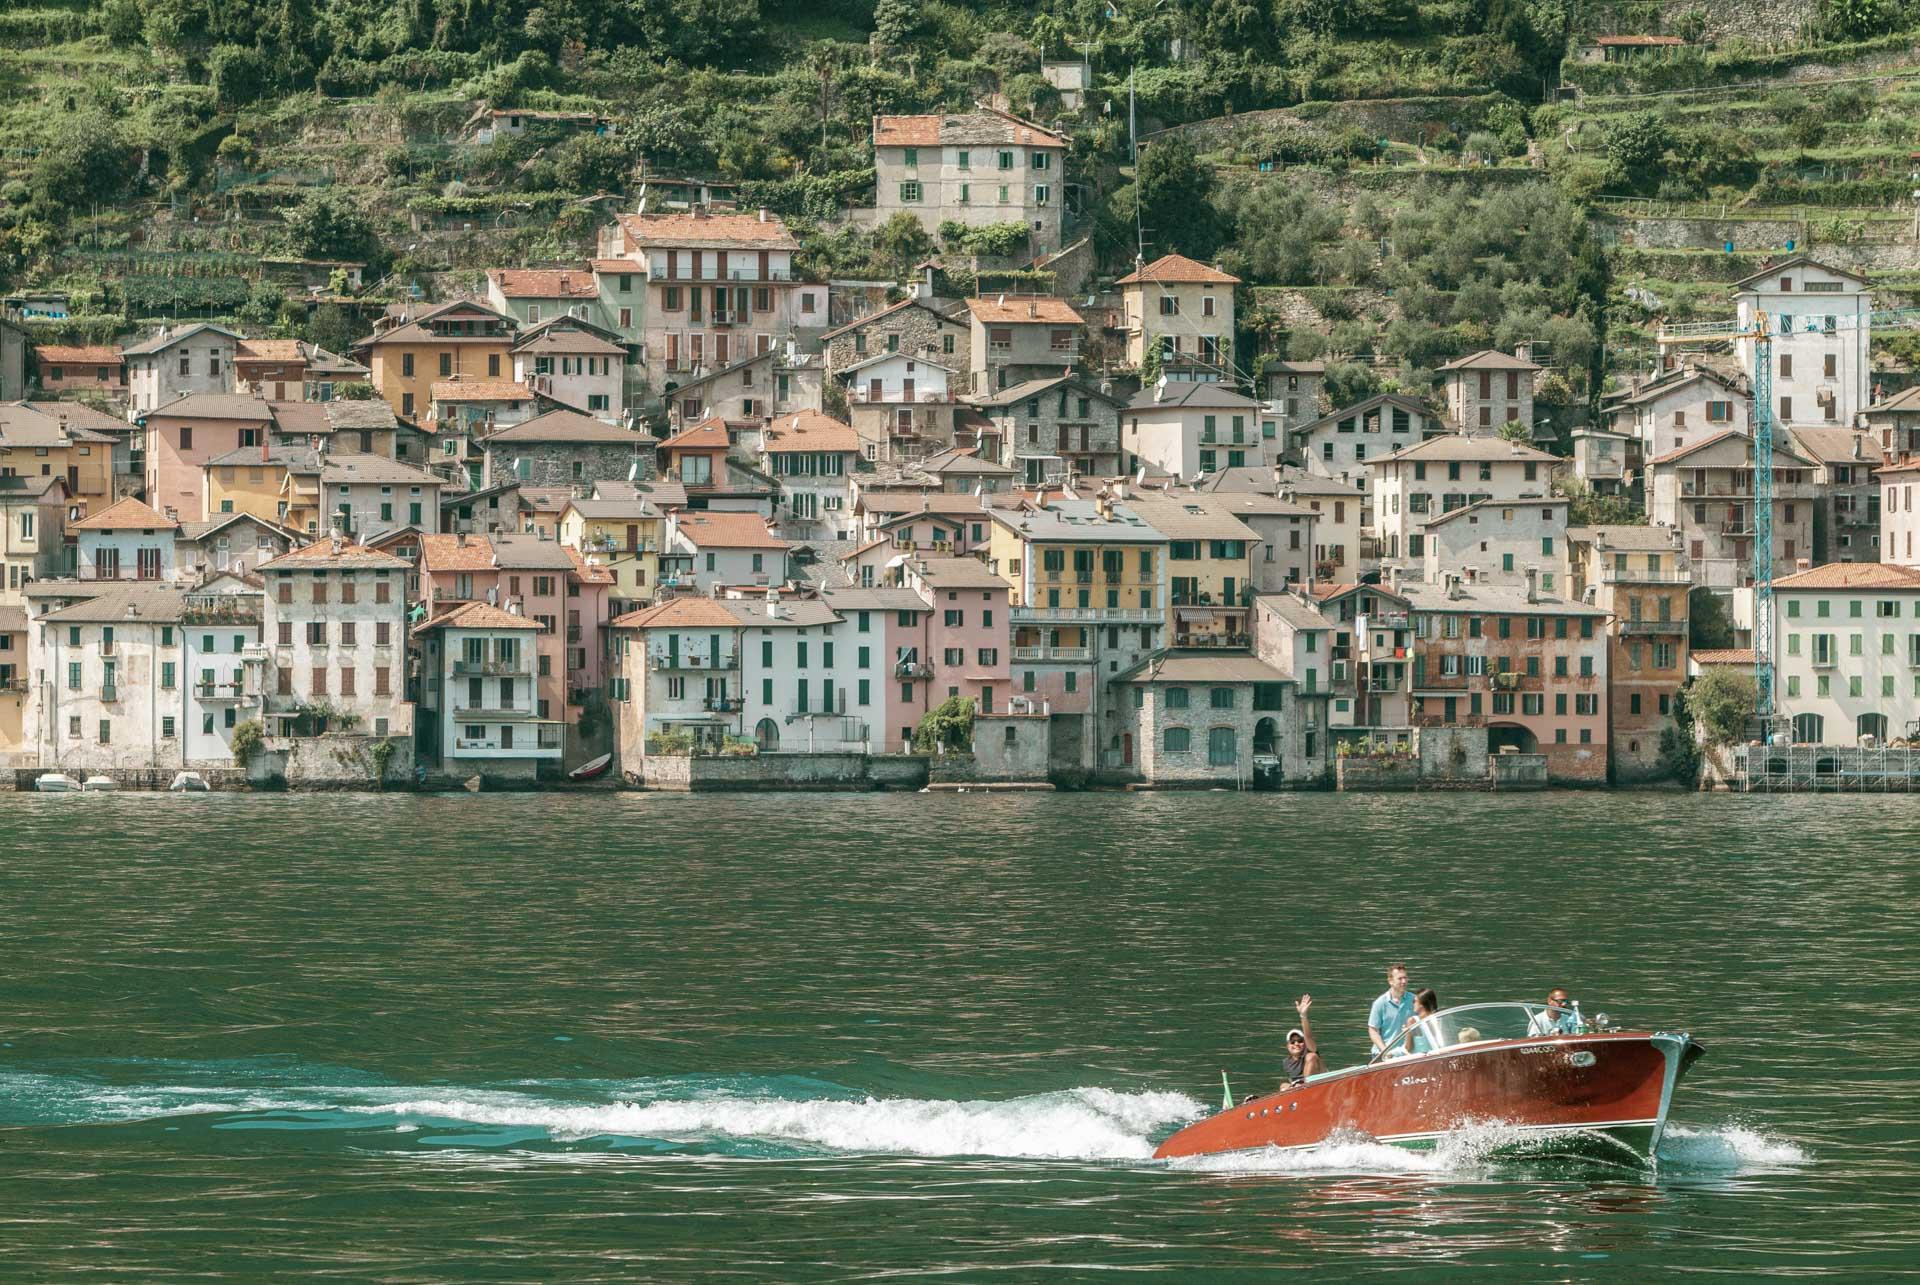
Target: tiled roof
[729, 231]
[706, 435]
[301, 417]
[1032, 309]
[215, 406]
[480, 390]
[1183, 394]
[1480, 507]
[294, 459]
[809, 430]
[567, 426]
[588, 569]
[959, 573]
[1836, 445]
[1178, 269]
[126, 515]
[125, 604]
[902, 503]
[322, 556]
[1192, 518]
[64, 355]
[986, 127]
[349, 469]
[1637, 41]
[280, 350]
[542, 283]
[1459, 446]
[1631, 538]
[1490, 359]
[168, 338]
[714, 529]
[1852, 575]
[1907, 399]
[1202, 667]
[679, 613]
[1798, 261]
[477, 615]
[454, 552]
[568, 339]
[1723, 656]
[1682, 452]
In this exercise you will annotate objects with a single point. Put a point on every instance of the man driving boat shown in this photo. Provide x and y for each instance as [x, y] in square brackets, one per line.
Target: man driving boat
[1556, 1019]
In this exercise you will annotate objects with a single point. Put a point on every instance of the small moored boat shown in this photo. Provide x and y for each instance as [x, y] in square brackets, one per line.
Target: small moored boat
[1546, 1083]
[55, 783]
[187, 783]
[591, 770]
[100, 784]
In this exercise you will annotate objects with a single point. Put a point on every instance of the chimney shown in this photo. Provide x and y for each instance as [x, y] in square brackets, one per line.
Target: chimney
[459, 539]
[1393, 578]
[1452, 584]
[1533, 583]
[333, 539]
[263, 449]
[1524, 351]
[1033, 312]
[1802, 564]
[763, 214]
[1857, 450]
[133, 611]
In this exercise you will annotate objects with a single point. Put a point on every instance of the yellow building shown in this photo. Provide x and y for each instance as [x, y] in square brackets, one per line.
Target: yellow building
[280, 484]
[53, 439]
[624, 537]
[1210, 555]
[462, 339]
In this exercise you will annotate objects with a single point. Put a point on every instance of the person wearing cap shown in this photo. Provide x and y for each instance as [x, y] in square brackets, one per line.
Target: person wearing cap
[1303, 1052]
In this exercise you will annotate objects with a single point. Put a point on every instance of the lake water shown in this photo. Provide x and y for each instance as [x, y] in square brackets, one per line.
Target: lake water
[851, 1036]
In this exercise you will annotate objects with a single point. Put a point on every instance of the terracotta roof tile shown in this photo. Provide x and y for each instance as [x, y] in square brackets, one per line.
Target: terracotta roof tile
[126, 515]
[1723, 656]
[1002, 309]
[321, 553]
[809, 431]
[1178, 269]
[714, 529]
[480, 390]
[906, 131]
[544, 283]
[721, 230]
[1852, 575]
[706, 435]
[64, 355]
[689, 613]
[476, 615]
[281, 350]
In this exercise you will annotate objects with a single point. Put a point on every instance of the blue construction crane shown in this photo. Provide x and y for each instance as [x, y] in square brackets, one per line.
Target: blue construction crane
[1763, 330]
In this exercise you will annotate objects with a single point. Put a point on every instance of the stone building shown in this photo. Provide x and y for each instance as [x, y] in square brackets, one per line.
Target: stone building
[1706, 492]
[1055, 427]
[562, 448]
[1846, 505]
[1490, 388]
[1215, 718]
[336, 633]
[1294, 391]
[977, 168]
[172, 364]
[935, 329]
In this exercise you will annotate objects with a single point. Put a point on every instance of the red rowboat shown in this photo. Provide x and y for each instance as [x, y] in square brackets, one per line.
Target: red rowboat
[592, 770]
[1546, 1080]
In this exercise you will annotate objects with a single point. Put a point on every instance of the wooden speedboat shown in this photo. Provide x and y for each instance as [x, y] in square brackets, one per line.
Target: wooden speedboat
[592, 770]
[1543, 1080]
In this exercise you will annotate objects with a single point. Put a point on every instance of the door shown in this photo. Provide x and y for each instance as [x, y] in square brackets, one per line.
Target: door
[633, 535]
[873, 390]
[1126, 749]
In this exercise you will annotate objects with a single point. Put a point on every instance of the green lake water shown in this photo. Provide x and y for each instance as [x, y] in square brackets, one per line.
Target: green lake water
[855, 1036]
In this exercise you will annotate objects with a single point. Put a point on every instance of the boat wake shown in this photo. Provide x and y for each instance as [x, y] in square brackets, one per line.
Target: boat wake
[764, 1117]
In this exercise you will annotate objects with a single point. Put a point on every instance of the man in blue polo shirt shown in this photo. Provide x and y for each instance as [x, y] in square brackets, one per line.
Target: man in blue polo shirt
[1392, 1011]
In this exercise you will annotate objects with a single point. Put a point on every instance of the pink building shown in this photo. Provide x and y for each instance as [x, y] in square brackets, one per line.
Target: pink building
[969, 633]
[183, 435]
[897, 619]
[541, 579]
[97, 369]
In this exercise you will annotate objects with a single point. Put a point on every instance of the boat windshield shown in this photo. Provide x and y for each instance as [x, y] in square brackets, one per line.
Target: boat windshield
[1480, 1023]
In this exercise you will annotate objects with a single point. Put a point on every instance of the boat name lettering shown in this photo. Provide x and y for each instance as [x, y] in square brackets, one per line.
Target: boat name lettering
[1406, 1080]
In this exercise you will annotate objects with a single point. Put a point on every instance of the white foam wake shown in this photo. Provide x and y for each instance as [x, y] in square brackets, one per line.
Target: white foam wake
[1078, 1124]
[1729, 1147]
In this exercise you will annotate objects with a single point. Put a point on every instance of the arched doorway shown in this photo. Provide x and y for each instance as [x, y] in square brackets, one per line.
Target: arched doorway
[1511, 736]
[766, 735]
[1807, 729]
[1874, 725]
[1266, 737]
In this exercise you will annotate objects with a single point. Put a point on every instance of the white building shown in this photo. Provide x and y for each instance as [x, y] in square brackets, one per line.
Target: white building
[1898, 517]
[173, 363]
[225, 666]
[566, 360]
[1190, 428]
[479, 698]
[1342, 443]
[977, 168]
[1414, 485]
[812, 456]
[1499, 541]
[371, 494]
[1847, 652]
[705, 548]
[336, 628]
[126, 541]
[1681, 407]
[1822, 373]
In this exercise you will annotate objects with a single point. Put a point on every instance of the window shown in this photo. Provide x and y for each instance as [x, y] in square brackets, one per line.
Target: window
[1176, 698]
[909, 193]
[1176, 740]
[1220, 698]
[1222, 747]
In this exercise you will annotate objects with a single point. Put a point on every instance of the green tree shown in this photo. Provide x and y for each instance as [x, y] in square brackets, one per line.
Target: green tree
[1723, 703]
[947, 726]
[327, 225]
[87, 161]
[1634, 146]
[1174, 192]
[1709, 627]
[895, 21]
[1348, 382]
[262, 307]
[1585, 508]
[900, 243]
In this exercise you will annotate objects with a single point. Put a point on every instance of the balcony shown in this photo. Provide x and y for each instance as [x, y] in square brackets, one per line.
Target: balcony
[912, 669]
[1085, 615]
[723, 704]
[227, 693]
[898, 397]
[109, 693]
[661, 658]
[1666, 575]
[1223, 639]
[547, 742]
[1637, 628]
[491, 711]
[516, 668]
[1062, 654]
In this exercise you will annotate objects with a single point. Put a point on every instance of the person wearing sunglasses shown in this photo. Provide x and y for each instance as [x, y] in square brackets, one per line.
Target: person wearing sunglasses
[1303, 1052]
[1556, 1018]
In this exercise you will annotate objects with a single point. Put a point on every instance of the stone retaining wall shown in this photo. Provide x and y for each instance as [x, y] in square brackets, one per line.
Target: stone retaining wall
[781, 772]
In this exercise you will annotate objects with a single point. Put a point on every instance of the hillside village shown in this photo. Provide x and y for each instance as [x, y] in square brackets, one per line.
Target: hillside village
[994, 441]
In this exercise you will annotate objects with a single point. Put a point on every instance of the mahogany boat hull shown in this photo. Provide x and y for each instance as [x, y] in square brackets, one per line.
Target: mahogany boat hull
[1558, 1091]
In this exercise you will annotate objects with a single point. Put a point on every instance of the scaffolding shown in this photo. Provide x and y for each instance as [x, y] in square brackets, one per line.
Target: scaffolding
[1793, 769]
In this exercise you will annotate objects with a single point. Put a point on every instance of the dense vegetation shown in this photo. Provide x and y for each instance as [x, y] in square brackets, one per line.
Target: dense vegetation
[198, 136]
